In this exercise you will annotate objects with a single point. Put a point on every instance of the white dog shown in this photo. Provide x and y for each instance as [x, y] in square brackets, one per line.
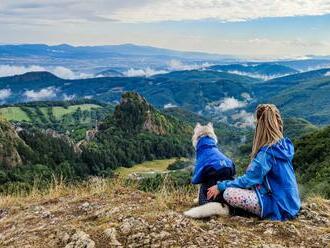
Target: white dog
[211, 208]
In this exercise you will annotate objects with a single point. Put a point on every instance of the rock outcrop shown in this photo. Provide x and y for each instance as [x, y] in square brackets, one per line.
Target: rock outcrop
[9, 142]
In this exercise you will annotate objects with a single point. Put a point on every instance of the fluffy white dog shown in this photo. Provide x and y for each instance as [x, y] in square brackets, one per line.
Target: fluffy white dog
[211, 208]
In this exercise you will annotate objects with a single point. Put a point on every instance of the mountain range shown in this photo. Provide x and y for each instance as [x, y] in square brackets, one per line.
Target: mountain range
[223, 95]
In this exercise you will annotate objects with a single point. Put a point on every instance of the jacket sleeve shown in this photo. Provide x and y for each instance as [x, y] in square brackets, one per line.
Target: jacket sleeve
[254, 175]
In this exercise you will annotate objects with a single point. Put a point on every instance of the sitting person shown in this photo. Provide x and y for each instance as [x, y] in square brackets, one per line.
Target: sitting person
[268, 188]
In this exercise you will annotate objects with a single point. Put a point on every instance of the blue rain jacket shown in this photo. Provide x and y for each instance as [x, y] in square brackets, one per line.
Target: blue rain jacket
[272, 176]
[207, 156]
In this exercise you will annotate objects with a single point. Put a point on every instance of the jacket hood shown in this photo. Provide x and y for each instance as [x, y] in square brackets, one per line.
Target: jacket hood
[283, 149]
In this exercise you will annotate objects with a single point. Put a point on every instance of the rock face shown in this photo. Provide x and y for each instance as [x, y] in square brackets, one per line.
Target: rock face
[9, 142]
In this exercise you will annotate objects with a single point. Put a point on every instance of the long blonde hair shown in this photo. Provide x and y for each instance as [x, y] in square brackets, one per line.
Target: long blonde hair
[269, 127]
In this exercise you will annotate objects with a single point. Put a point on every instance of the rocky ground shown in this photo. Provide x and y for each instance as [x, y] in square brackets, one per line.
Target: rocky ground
[107, 214]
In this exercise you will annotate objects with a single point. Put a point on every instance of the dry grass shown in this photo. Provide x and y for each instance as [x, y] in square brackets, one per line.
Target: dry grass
[35, 220]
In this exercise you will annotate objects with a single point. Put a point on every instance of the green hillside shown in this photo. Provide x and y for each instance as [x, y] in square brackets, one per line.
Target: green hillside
[200, 91]
[27, 113]
[302, 95]
[135, 133]
[297, 127]
[73, 118]
[312, 161]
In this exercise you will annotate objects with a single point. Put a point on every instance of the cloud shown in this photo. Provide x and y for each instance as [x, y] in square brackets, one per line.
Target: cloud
[5, 93]
[48, 12]
[246, 96]
[68, 97]
[256, 75]
[243, 119]
[169, 105]
[59, 71]
[177, 65]
[10, 70]
[230, 103]
[43, 94]
[224, 10]
[148, 72]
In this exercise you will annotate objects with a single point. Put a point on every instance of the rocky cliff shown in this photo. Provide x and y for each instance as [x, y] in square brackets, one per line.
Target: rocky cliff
[9, 143]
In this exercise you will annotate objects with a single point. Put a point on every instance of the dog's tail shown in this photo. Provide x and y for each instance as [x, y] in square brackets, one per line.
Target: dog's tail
[208, 210]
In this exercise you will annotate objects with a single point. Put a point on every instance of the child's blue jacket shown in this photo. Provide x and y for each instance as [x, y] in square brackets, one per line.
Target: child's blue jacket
[272, 176]
[208, 155]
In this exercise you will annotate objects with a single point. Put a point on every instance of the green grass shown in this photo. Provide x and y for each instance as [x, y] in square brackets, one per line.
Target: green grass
[14, 114]
[150, 166]
[17, 114]
[59, 112]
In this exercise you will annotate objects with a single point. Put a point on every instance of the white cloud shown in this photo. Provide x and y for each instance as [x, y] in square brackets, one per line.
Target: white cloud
[5, 93]
[230, 103]
[59, 71]
[48, 12]
[43, 94]
[257, 75]
[177, 65]
[243, 119]
[225, 10]
[169, 105]
[68, 97]
[148, 72]
[246, 96]
[10, 70]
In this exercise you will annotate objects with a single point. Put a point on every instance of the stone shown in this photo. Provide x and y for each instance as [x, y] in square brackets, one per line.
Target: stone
[80, 240]
[111, 233]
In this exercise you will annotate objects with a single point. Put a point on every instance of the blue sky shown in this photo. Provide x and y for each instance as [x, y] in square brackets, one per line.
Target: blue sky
[247, 28]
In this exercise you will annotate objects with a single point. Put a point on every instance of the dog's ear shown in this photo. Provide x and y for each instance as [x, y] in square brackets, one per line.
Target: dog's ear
[198, 125]
[210, 124]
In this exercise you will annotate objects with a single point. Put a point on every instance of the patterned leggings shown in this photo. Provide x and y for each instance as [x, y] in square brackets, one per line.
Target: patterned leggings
[243, 198]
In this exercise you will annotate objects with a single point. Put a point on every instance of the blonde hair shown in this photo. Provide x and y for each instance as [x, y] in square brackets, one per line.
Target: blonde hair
[269, 127]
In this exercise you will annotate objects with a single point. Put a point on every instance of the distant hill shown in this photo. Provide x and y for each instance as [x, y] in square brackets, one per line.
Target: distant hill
[295, 128]
[263, 71]
[109, 73]
[308, 64]
[71, 117]
[224, 96]
[190, 89]
[65, 51]
[302, 95]
[136, 132]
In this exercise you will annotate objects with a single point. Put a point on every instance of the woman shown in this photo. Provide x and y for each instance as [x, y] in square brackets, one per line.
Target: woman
[268, 188]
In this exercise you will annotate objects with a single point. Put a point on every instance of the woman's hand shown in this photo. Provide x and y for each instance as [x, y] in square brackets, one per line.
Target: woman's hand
[213, 192]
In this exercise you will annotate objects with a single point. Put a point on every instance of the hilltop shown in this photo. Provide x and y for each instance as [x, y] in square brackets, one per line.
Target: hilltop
[104, 213]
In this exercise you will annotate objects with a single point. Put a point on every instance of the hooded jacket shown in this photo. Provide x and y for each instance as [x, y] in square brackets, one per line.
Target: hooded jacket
[272, 176]
[207, 156]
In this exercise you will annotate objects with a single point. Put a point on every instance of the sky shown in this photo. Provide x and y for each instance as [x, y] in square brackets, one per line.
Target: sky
[246, 28]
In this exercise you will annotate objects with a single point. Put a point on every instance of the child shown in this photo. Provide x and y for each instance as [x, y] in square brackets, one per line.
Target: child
[268, 188]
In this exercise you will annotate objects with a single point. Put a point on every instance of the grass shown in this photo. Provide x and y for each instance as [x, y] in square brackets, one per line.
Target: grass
[38, 219]
[14, 114]
[17, 114]
[150, 166]
[59, 112]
